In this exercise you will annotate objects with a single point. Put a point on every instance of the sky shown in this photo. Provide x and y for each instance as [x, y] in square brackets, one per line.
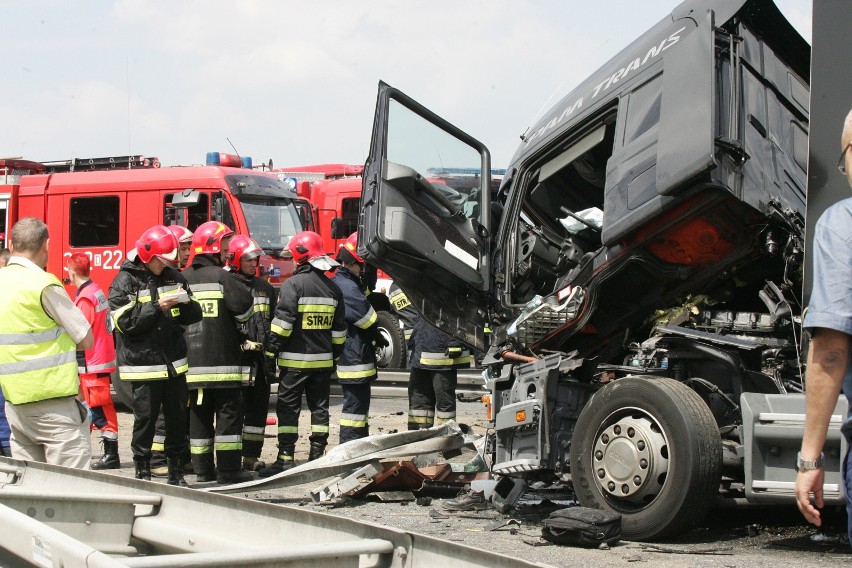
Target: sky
[294, 82]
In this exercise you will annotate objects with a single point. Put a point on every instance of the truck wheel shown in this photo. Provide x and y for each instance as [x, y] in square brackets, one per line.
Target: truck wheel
[122, 392]
[647, 448]
[393, 356]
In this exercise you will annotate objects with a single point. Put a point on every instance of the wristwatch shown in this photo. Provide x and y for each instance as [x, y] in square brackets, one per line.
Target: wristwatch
[806, 465]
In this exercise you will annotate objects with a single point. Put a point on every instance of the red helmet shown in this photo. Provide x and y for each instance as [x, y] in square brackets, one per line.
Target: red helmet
[181, 233]
[351, 245]
[207, 238]
[157, 241]
[306, 246]
[242, 247]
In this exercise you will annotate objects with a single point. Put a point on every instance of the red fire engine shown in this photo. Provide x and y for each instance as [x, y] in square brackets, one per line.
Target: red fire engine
[103, 209]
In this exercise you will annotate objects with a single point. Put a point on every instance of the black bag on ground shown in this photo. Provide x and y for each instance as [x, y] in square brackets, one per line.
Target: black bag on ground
[582, 526]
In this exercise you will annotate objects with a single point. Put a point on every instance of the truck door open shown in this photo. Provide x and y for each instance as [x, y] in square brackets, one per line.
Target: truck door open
[424, 224]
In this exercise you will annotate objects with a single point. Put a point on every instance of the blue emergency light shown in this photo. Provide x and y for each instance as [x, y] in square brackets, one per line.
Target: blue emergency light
[228, 160]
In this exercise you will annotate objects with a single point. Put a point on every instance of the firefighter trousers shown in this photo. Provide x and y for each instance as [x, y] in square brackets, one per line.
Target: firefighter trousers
[316, 387]
[148, 398]
[431, 397]
[158, 447]
[355, 414]
[215, 425]
[256, 399]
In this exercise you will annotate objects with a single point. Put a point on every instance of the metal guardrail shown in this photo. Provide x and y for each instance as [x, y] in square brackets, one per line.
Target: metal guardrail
[394, 383]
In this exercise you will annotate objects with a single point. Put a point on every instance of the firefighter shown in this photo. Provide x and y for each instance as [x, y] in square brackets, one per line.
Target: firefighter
[307, 336]
[184, 239]
[150, 301]
[402, 307]
[159, 468]
[356, 368]
[435, 361]
[96, 364]
[243, 258]
[216, 372]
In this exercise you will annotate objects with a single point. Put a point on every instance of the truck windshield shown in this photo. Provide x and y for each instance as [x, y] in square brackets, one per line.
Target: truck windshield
[271, 221]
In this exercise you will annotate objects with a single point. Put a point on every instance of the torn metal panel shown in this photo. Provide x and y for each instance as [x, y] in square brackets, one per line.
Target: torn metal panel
[341, 459]
[342, 485]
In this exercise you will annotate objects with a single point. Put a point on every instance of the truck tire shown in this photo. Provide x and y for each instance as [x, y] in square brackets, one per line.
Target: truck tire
[394, 355]
[122, 392]
[647, 448]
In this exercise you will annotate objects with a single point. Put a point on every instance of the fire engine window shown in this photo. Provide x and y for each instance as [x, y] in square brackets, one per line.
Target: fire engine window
[189, 217]
[93, 221]
[271, 221]
[349, 210]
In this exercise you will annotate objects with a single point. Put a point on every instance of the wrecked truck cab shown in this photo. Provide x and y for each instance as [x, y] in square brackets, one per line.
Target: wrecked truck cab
[639, 268]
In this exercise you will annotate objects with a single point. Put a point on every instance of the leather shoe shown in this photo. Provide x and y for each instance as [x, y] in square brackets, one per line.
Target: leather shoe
[470, 501]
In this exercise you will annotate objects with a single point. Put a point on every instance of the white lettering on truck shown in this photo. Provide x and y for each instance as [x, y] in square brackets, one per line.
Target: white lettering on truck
[622, 73]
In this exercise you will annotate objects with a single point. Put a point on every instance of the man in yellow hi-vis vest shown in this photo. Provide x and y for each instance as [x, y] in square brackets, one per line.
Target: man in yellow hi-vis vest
[40, 333]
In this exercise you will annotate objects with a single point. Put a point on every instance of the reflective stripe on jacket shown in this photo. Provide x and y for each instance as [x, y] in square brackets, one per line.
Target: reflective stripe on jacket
[435, 350]
[149, 343]
[357, 363]
[38, 359]
[308, 327]
[101, 357]
[215, 357]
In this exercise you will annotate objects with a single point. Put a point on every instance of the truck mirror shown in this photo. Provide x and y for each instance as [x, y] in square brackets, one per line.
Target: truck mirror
[218, 209]
[338, 228]
[186, 198]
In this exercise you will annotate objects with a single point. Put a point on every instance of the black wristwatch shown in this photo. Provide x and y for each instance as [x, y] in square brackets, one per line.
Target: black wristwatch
[806, 465]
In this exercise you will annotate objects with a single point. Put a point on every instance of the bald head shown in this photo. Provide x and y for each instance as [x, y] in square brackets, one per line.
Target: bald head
[846, 136]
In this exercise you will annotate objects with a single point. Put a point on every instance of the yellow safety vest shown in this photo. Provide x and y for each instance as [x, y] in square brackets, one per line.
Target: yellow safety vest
[37, 357]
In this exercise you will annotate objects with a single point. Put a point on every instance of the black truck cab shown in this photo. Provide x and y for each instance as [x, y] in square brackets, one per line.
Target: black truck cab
[643, 250]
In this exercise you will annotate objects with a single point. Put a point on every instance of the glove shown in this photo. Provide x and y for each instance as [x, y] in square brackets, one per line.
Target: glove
[251, 346]
[270, 367]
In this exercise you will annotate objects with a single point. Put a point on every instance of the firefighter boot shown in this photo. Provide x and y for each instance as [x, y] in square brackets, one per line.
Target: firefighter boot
[252, 463]
[317, 450]
[283, 463]
[203, 466]
[110, 458]
[229, 477]
[175, 466]
[143, 468]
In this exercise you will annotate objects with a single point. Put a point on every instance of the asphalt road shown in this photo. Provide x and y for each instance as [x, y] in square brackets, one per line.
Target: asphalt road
[729, 537]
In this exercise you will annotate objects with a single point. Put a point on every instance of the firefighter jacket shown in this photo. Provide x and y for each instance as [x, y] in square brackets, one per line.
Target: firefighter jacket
[149, 343]
[256, 329]
[357, 364]
[36, 354]
[434, 350]
[215, 357]
[101, 357]
[308, 326]
[404, 310]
